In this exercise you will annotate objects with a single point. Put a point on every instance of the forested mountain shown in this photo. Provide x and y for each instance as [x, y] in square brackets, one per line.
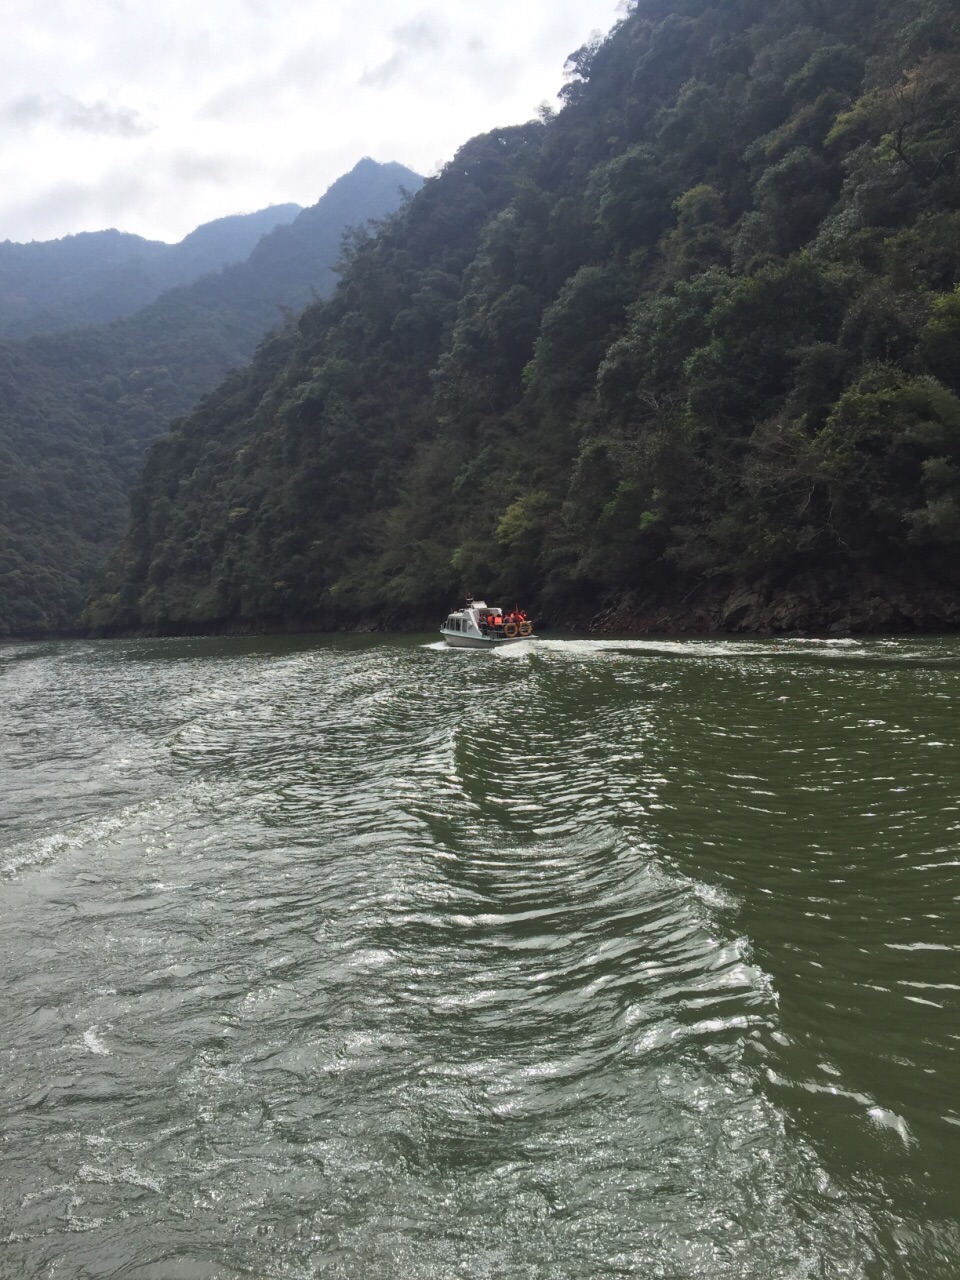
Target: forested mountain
[687, 350]
[99, 276]
[78, 409]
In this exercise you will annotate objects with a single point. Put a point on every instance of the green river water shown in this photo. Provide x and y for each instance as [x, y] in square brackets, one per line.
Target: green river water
[359, 957]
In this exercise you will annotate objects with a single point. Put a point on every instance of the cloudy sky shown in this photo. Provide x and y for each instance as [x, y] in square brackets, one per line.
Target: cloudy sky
[156, 115]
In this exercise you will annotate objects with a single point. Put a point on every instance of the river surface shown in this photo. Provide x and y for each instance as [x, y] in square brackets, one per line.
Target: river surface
[359, 957]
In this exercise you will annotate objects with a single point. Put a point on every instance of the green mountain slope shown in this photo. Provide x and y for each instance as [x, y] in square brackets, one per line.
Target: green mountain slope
[686, 351]
[98, 276]
[78, 409]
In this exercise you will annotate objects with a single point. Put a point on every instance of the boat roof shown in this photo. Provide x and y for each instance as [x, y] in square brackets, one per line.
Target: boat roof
[474, 606]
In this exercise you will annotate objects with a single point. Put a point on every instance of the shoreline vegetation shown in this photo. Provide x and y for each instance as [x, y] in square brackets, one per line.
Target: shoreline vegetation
[877, 608]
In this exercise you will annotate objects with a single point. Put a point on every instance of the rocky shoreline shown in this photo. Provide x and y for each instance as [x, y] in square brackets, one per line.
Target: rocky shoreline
[809, 605]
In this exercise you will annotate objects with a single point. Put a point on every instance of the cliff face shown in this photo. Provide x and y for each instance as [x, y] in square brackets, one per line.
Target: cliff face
[684, 353]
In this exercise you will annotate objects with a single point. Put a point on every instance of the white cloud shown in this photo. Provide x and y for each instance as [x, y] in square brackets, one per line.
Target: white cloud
[61, 111]
[157, 117]
[423, 35]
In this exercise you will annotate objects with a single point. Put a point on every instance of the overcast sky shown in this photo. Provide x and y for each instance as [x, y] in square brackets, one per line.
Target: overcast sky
[154, 116]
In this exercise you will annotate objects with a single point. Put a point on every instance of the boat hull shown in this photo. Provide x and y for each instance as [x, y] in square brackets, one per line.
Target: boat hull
[457, 640]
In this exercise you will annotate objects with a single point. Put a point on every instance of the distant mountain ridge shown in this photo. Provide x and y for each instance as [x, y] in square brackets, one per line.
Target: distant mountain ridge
[79, 408]
[96, 277]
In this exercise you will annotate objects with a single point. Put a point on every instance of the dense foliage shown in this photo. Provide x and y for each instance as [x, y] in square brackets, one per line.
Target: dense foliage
[99, 276]
[78, 409]
[699, 327]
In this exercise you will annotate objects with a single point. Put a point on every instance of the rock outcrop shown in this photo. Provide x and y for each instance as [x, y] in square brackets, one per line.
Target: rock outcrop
[810, 604]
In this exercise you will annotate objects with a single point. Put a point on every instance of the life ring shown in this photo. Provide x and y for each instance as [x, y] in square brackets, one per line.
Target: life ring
[526, 628]
[510, 629]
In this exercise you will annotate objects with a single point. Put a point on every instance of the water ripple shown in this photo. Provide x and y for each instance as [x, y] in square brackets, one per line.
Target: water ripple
[360, 957]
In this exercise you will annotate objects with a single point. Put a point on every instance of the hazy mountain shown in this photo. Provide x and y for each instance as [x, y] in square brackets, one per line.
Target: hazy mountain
[77, 409]
[99, 276]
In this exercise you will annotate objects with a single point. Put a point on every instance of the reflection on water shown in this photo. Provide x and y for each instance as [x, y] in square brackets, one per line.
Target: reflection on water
[362, 957]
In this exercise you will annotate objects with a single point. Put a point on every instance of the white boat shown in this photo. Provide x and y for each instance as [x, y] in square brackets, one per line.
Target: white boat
[481, 626]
